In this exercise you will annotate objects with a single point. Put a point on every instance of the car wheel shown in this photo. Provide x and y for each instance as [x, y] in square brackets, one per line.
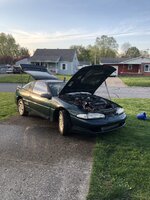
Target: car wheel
[21, 108]
[64, 122]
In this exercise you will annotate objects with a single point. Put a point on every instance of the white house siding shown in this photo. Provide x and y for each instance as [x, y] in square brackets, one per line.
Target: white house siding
[75, 64]
[71, 67]
[68, 70]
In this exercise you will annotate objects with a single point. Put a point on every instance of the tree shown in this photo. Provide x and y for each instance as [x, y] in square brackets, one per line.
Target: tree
[133, 52]
[10, 50]
[104, 47]
[125, 46]
[144, 53]
[82, 52]
[93, 54]
[8, 45]
[107, 46]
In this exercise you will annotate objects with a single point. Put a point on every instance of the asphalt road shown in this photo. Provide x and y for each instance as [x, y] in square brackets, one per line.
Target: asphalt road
[115, 92]
[124, 92]
[8, 87]
[36, 163]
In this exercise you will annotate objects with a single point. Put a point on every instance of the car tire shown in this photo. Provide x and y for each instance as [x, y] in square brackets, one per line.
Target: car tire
[21, 108]
[64, 123]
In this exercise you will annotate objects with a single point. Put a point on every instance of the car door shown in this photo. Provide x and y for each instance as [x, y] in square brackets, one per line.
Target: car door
[26, 93]
[38, 103]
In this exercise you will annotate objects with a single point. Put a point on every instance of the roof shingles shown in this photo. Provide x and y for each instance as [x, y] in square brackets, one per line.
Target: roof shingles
[53, 55]
[137, 60]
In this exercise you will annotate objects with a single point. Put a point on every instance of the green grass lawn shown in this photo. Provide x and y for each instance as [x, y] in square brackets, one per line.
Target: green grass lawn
[15, 78]
[121, 169]
[60, 76]
[130, 81]
[7, 105]
[136, 81]
[24, 78]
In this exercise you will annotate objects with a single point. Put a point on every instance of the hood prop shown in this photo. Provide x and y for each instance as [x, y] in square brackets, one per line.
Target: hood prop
[107, 91]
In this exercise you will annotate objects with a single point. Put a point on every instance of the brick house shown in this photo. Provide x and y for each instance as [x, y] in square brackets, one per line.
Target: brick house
[139, 66]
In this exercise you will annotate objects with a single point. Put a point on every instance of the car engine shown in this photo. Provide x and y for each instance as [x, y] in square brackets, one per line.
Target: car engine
[89, 103]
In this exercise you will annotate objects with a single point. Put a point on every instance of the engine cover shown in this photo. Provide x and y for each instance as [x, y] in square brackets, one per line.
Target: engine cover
[89, 103]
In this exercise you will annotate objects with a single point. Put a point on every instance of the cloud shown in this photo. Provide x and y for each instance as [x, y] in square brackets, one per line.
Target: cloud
[44, 37]
[33, 40]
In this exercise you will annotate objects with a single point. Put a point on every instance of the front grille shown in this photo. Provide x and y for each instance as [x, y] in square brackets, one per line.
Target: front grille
[111, 127]
[108, 112]
[106, 128]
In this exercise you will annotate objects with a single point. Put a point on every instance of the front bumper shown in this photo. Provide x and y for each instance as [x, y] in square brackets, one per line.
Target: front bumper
[98, 125]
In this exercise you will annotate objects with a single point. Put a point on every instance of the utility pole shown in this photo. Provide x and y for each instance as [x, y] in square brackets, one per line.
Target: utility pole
[95, 58]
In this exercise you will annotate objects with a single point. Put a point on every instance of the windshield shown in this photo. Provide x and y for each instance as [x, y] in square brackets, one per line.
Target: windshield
[55, 88]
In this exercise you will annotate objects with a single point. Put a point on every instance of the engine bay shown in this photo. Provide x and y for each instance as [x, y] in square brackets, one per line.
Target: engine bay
[89, 102]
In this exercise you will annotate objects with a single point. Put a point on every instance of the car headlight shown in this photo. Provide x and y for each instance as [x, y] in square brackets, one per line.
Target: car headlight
[119, 111]
[91, 116]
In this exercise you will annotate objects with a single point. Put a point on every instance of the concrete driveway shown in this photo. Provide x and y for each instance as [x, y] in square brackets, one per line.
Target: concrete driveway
[115, 82]
[37, 163]
[117, 89]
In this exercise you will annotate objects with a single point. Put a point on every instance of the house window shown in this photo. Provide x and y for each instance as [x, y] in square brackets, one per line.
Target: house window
[129, 67]
[147, 68]
[64, 66]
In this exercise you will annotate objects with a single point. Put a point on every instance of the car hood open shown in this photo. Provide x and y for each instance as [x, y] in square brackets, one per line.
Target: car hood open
[88, 79]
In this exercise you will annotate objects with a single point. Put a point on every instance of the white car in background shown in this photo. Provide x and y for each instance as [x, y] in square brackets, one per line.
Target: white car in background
[10, 70]
[115, 73]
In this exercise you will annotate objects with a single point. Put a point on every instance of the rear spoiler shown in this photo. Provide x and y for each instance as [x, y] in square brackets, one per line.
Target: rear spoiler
[29, 67]
[37, 72]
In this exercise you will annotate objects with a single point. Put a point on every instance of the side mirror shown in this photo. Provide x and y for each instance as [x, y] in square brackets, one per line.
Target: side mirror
[46, 95]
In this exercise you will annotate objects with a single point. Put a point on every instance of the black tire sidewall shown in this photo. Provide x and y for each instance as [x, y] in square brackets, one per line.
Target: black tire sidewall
[66, 122]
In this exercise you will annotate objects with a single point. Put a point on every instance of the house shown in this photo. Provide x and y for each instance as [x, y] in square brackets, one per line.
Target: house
[83, 64]
[22, 61]
[139, 66]
[60, 61]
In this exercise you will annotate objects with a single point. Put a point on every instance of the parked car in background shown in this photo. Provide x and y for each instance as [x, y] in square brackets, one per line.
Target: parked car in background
[72, 104]
[10, 70]
[17, 70]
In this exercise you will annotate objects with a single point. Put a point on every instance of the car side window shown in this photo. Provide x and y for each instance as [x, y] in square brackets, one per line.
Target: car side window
[28, 86]
[40, 88]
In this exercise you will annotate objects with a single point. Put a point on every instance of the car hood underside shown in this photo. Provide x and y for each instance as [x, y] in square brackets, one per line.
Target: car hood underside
[88, 79]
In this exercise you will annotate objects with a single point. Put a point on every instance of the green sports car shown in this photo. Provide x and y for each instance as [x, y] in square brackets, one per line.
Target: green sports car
[72, 104]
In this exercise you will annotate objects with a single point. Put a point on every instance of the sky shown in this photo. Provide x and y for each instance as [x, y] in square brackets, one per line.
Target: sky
[62, 23]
